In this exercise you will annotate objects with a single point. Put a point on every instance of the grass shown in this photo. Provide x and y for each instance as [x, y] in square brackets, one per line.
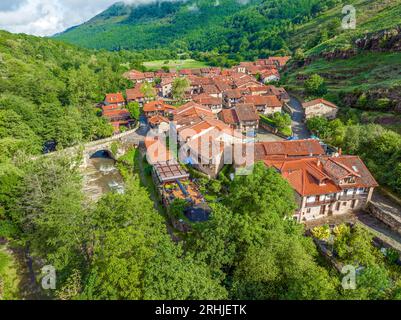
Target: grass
[363, 72]
[371, 16]
[8, 275]
[178, 64]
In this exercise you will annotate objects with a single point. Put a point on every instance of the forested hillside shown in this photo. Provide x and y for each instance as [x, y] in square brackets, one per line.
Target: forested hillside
[237, 29]
[119, 247]
[48, 90]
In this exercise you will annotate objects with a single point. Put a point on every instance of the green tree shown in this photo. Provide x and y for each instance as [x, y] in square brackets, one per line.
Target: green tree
[180, 85]
[134, 258]
[263, 191]
[148, 90]
[315, 86]
[134, 109]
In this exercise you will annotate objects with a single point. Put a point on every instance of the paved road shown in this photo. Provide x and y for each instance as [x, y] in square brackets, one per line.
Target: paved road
[298, 126]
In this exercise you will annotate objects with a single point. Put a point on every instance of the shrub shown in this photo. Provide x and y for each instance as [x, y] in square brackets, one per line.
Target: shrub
[322, 232]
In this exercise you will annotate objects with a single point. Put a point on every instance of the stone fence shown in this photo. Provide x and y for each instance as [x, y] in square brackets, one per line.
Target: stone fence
[389, 216]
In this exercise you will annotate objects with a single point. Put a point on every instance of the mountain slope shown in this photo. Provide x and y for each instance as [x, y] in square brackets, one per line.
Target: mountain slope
[153, 25]
[231, 32]
[243, 29]
[359, 64]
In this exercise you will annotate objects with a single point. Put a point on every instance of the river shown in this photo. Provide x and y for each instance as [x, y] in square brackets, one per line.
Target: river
[102, 176]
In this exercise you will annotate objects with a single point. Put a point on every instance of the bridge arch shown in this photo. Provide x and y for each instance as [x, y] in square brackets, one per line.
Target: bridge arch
[101, 153]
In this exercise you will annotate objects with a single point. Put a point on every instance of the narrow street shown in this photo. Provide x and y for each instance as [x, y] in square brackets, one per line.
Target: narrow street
[298, 125]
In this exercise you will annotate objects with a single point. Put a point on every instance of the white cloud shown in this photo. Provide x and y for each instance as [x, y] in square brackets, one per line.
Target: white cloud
[47, 17]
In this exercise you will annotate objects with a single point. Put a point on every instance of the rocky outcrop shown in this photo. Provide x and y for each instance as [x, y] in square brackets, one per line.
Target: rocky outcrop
[385, 40]
[382, 41]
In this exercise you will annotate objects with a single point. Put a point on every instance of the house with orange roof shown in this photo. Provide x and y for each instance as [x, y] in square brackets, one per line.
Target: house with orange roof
[233, 97]
[280, 62]
[160, 123]
[279, 92]
[158, 107]
[191, 112]
[270, 75]
[204, 144]
[215, 104]
[258, 91]
[242, 117]
[327, 186]
[136, 95]
[323, 185]
[114, 101]
[264, 104]
[166, 87]
[320, 108]
[135, 76]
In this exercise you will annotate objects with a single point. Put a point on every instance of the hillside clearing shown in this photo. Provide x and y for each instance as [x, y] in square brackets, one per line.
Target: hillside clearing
[178, 64]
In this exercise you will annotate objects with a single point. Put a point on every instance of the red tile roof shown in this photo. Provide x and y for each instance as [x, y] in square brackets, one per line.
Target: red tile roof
[318, 101]
[269, 101]
[311, 176]
[113, 114]
[192, 111]
[134, 93]
[114, 98]
[234, 94]
[246, 112]
[157, 106]
[288, 149]
[157, 119]
[205, 99]
[281, 61]
[229, 116]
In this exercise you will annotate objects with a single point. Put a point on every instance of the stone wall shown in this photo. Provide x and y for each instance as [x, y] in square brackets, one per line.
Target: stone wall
[386, 215]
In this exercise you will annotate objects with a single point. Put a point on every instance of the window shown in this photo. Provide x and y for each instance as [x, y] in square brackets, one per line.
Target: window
[311, 199]
[308, 210]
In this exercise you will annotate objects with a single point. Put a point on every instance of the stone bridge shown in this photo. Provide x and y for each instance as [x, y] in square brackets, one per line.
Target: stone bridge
[122, 142]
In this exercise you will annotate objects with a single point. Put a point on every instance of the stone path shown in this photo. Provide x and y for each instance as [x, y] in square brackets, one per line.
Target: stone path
[298, 125]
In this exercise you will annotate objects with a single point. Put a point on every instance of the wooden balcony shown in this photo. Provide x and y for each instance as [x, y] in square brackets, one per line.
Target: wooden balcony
[353, 197]
[320, 203]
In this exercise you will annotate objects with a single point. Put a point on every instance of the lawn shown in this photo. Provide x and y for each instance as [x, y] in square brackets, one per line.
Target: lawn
[178, 64]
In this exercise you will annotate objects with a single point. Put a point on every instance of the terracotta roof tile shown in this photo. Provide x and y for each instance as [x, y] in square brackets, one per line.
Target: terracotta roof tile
[318, 101]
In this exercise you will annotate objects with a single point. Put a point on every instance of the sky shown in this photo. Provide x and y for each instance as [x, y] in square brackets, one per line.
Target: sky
[47, 17]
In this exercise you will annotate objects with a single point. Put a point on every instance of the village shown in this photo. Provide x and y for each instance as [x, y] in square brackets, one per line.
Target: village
[217, 110]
